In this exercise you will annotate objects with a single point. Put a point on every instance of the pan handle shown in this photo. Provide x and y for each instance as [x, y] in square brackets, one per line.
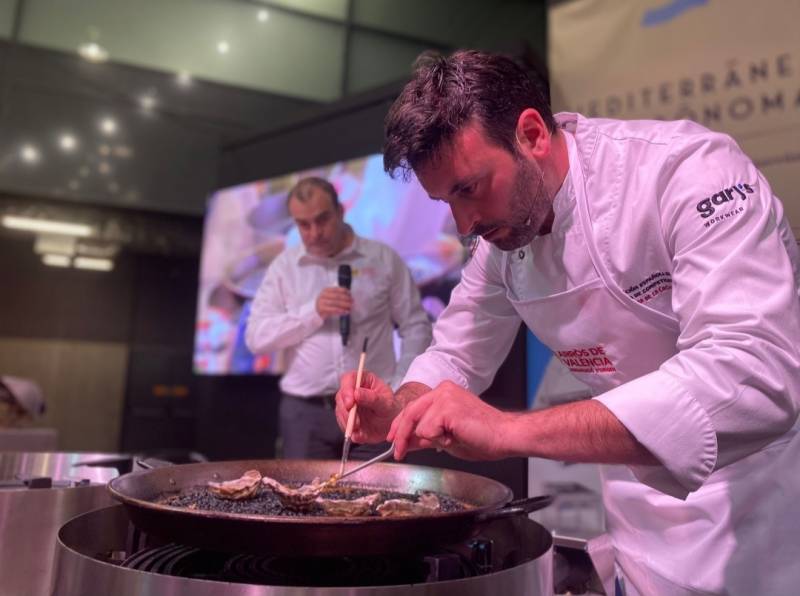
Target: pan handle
[150, 463]
[517, 507]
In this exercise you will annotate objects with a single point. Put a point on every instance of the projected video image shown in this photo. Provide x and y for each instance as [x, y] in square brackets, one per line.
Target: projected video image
[247, 226]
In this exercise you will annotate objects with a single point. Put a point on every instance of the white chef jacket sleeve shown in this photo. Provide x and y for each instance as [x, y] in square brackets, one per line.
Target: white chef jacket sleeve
[407, 313]
[733, 387]
[474, 333]
[272, 325]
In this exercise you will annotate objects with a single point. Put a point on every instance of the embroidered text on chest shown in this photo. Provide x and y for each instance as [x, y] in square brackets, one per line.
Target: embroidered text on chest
[586, 360]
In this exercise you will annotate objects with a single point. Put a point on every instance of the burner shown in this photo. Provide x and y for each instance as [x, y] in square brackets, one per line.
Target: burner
[183, 561]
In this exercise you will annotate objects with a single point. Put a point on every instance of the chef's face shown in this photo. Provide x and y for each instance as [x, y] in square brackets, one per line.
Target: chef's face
[491, 192]
[320, 222]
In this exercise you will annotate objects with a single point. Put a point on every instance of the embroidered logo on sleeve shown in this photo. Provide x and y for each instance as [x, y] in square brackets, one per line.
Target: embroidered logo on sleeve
[710, 205]
[586, 360]
[650, 287]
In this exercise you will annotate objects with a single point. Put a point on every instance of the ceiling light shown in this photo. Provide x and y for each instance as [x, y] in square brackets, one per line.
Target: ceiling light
[93, 264]
[29, 154]
[103, 167]
[108, 126]
[148, 102]
[263, 16]
[104, 150]
[223, 47]
[56, 260]
[93, 52]
[67, 142]
[184, 78]
[73, 185]
[46, 225]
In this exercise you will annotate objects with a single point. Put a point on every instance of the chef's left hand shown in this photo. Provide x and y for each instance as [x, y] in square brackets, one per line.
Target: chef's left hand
[452, 419]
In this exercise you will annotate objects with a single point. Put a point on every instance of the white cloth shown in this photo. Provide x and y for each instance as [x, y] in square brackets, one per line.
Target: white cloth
[284, 316]
[690, 329]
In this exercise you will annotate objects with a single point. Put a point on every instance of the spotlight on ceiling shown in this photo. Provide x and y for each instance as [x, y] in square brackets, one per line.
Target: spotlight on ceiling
[184, 78]
[93, 52]
[29, 154]
[263, 16]
[223, 47]
[148, 102]
[67, 142]
[108, 126]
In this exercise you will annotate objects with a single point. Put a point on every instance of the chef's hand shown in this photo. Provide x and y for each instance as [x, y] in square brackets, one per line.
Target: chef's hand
[452, 419]
[377, 406]
[334, 301]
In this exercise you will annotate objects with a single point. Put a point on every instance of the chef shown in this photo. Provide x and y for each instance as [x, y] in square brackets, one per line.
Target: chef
[656, 263]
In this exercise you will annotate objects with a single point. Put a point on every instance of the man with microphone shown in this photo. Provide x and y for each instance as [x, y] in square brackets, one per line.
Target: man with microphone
[317, 302]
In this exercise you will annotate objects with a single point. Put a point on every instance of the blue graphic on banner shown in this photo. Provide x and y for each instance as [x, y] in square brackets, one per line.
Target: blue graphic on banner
[672, 10]
[537, 356]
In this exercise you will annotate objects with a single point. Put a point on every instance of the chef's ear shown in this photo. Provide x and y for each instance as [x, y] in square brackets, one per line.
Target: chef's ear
[533, 137]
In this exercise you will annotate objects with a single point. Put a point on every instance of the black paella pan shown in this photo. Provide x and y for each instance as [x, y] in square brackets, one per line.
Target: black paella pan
[486, 499]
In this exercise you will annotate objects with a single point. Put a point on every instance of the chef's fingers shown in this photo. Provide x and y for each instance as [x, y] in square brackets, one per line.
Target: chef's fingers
[403, 426]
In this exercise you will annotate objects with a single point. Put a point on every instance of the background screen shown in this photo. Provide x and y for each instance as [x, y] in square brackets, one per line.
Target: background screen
[247, 226]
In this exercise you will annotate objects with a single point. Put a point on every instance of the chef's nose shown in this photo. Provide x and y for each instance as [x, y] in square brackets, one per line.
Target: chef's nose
[466, 218]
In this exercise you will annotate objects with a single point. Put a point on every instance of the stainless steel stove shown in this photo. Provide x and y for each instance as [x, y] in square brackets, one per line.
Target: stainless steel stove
[102, 553]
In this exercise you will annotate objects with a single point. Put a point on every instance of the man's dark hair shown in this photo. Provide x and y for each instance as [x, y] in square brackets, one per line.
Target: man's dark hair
[446, 93]
[303, 189]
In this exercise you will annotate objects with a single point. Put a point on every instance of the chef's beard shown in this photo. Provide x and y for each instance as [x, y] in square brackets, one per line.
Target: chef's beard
[529, 207]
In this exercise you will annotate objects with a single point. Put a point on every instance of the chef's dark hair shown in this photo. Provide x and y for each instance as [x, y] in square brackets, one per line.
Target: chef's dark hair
[446, 93]
[305, 187]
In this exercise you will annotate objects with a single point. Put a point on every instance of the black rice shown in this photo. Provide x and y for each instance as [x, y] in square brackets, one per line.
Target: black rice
[265, 502]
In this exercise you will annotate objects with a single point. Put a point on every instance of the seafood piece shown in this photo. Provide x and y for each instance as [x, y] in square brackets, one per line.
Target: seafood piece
[298, 499]
[239, 489]
[427, 503]
[349, 507]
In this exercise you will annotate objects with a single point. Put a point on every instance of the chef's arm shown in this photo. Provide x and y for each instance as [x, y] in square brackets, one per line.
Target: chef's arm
[474, 334]
[584, 431]
[732, 387]
[272, 325]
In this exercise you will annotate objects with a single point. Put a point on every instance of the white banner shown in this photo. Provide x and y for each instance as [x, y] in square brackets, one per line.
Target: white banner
[731, 65]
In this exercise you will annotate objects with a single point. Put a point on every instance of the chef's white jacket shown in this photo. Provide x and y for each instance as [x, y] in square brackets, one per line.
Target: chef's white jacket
[673, 227]
[284, 316]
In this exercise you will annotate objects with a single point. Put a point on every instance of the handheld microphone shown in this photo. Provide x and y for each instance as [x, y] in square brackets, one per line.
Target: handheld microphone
[345, 279]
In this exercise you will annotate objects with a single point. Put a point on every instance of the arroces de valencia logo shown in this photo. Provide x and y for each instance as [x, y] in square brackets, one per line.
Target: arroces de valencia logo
[708, 206]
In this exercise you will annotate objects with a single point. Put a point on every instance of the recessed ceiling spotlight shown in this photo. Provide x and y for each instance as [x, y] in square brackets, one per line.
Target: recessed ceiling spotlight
[73, 185]
[223, 47]
[148, 102]
[104, 168]
[93, 52]
[184, 78]
[67, 142]
[108, 126]
[263, 16]
[29, 154]
[104, 150]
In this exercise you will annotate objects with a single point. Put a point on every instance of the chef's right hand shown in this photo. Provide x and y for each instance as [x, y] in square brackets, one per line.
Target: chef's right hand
[334, 302]
[377, 407]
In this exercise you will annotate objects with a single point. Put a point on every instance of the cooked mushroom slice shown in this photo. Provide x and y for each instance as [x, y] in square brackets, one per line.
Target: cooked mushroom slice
[239, 489]
[427, 503]
[298, 499]
[349, 507]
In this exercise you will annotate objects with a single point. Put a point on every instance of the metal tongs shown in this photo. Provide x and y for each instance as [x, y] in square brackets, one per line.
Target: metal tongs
[385, 455]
